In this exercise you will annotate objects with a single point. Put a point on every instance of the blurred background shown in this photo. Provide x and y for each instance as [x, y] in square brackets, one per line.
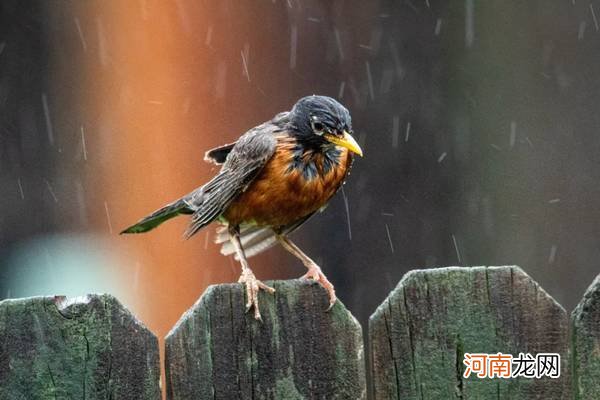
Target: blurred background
[479, 122]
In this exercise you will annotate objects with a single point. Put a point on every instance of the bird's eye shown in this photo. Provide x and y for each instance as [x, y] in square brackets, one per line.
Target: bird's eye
[317, 127]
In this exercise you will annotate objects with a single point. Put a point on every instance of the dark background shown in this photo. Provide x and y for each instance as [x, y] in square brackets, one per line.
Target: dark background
[479, 122]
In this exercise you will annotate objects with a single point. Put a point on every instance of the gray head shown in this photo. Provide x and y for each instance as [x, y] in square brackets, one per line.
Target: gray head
[321, 121]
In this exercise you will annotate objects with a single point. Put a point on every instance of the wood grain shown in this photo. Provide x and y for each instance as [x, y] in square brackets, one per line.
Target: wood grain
[80, 348]
[299, 351]
[419, 335]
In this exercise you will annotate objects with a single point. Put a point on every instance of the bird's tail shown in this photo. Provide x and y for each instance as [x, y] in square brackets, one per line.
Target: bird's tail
[159, 216]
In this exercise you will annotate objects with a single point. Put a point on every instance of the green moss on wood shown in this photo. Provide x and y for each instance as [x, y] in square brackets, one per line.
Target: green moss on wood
[298, 351]
[586, 344]
[83, 348]
[419, 335]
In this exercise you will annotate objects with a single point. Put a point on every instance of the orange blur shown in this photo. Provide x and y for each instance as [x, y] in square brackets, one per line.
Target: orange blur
[142, 62]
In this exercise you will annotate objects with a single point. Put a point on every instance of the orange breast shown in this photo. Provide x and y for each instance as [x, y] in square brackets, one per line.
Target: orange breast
[281, 195]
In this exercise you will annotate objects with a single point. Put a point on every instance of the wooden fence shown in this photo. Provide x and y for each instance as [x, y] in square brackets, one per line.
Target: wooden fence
[93, 348]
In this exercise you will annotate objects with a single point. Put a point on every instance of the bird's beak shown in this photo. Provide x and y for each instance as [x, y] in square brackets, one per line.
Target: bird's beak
[346, 141]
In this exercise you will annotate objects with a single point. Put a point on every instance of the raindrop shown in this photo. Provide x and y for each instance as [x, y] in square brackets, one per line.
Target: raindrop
[21, 189]
[83, 144]
[456, 249]
[110, 229]
[513, 133]
[347, 213]
[370, 81]
[338, 42]
[552, 255]
[529, 141]
[469, 22]
[387, 229]
[102, 50]
[438, 26]
[80, 32]
[49, 186]
[396, 58]
[594, 17]
[341, 91]
[581, 32]
[293, 44]
[245, 62]
[48, 119]
[209, 34]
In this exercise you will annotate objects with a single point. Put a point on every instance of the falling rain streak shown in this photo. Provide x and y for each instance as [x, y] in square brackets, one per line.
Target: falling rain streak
[552, 255]
[594, 17]
[338, 42]
[347, 213]
[438, 27]
[341, 90]
[110, 228]
[581, 31]
[370, 81]
[21, 189]
[456, 249]
[245, 62]
[209, 33]
[293, 44]
[513, 133]
[387, 230]
[83, 144]
[49, 186]
[48, 119]
[478, 129]
[80, 32]
[469, 22]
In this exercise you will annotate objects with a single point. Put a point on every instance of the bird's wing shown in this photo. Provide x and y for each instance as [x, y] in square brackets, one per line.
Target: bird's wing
[218, 155]
[246, 159]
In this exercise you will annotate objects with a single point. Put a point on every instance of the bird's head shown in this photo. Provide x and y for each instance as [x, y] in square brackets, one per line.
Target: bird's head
[323, 121]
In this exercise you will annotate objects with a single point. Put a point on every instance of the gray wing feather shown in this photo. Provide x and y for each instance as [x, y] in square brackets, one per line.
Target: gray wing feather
[246, 159]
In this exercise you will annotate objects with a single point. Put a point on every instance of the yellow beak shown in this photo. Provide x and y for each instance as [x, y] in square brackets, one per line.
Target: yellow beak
[347, 141]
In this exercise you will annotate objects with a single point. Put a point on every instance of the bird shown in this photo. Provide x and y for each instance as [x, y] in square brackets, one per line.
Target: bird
[274, 178]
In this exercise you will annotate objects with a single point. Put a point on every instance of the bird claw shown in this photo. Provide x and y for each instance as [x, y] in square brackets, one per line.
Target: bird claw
[315, 274]
[253, 286]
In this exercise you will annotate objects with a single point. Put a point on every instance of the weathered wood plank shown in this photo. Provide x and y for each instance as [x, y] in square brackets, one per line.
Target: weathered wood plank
[299, 351]
[419, 335]
[81, 348]
[586, 344]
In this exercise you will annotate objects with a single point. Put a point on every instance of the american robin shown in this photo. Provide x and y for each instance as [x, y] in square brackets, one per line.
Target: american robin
[272, 180]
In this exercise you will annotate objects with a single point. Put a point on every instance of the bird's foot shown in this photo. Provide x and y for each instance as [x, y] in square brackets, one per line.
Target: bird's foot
[253, 286]
[314, 273]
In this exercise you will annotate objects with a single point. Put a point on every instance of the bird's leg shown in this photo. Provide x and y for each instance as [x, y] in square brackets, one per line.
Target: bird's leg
[247, 277]
[314, 271]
